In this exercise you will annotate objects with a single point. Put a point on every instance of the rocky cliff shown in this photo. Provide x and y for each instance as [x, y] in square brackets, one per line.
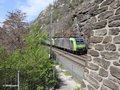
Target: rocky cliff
[62, 17]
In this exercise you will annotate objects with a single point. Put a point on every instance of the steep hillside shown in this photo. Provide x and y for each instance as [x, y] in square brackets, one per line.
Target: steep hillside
[62, 17]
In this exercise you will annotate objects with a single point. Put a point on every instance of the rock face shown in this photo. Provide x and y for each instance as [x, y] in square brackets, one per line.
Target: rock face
[98, 21]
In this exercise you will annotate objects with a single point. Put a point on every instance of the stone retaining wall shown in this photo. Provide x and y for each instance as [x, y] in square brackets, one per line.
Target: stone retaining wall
[99, 22]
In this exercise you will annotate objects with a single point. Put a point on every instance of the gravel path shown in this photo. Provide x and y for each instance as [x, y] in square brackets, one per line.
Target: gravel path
[66, 82]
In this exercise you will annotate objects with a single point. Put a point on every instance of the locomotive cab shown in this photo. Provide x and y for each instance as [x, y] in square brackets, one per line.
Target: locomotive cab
[78, 44]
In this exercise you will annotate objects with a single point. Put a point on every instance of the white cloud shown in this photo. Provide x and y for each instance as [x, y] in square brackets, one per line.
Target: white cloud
[33, 7]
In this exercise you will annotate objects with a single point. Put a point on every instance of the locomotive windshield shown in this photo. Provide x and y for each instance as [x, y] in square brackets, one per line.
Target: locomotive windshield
[79, 41]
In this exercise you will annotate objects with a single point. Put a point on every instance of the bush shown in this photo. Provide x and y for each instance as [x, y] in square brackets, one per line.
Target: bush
[33, 63]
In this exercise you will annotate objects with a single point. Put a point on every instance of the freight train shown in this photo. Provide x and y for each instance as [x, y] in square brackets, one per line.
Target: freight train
[74, 45]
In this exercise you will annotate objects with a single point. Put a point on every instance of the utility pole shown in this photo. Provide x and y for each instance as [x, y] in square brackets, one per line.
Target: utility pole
[51, 44]
[18, 80]
[51, 35]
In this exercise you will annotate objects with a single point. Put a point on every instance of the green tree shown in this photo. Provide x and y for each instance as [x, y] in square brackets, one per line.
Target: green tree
[33, 62]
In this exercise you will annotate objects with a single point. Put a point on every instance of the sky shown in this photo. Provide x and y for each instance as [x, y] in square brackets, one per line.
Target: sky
[31, 7]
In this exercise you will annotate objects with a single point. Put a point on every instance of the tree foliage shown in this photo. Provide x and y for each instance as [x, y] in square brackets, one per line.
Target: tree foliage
[15, 20]
[32, 59]
[32, 62]
[13, 29]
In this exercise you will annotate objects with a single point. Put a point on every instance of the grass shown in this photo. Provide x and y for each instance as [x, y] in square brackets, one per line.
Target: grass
[61, 66]
[77, 81]
[56, 62]
[67, 73]
[77, 88]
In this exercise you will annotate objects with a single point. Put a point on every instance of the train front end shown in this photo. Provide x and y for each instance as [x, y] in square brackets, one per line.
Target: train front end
[79, 45]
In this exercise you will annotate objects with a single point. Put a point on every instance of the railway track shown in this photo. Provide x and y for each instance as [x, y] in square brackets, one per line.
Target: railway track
[79, 60]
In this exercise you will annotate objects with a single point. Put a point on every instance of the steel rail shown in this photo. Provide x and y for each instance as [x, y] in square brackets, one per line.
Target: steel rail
[74, 58]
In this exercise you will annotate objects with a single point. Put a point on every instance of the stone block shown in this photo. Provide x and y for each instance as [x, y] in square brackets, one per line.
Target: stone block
[110, 47]
[99, 47]
[114, 5]
[107, 39]
[119, 48]
[117, 39]
[115, 72]
[88, 8]
[116, 63]
[115, 23]
[101, 32]
[100, 24]
[96, 39]
[90, 87]
[101, 62]
[111, 84]
[113, 18]
[91, 46]
[103, 72]
[93, 10]
[105, 88]
[107, 2]
[98, 1]
[110, 55]
[93, 53]
[84, 18]
[105, 15]
[89, 58]
[93, 19]
[96, 76]
[117, 11]
[92, 66]
[118, 3]
[114, 31]
[100, 10]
